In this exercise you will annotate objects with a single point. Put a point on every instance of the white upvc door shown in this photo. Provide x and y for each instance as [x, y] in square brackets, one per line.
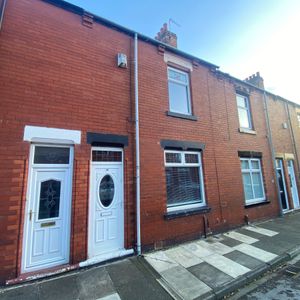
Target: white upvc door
[106, 212]
[293, 184]
[46, 241]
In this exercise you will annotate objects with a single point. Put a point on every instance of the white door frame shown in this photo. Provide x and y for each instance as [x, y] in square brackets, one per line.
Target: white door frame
[281, 168]
[91, 193]
[30, 186]
[293, 188]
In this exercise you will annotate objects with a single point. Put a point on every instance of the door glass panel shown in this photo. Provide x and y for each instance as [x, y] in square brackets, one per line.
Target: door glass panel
[49, 199]
[51, 155]
[106, 190]
[101, 155]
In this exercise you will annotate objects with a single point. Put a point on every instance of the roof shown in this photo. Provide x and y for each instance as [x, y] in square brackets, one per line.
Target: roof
[80, 11]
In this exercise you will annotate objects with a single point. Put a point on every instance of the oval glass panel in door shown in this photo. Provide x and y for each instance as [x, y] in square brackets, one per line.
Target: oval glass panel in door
[106, 190]
[49, 199]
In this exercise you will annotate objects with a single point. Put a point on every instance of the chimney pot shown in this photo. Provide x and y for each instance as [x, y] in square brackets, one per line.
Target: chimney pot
[166, 36]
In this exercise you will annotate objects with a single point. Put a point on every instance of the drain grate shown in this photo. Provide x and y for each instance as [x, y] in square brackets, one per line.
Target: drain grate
[292, 270]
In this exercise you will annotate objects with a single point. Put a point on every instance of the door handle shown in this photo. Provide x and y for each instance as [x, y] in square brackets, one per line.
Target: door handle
[30, 215]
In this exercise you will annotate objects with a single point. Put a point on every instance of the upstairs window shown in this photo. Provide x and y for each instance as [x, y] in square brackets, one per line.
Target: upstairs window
[184, 180]
[179, 91]
[244, 111]
[252, 180]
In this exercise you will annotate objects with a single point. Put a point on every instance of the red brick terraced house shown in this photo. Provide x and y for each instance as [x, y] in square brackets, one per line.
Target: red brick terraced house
[113, 143]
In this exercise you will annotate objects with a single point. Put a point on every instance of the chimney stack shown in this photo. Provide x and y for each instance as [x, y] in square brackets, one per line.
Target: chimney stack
[166, 36]
[256, 80]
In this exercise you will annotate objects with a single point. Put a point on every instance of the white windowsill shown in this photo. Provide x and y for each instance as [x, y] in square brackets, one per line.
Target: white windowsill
[246, 130]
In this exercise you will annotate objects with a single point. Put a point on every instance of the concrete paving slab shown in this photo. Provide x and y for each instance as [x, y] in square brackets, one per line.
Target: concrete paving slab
[261, 230]
[114, 296]
[185, 283]
[94, 283]
[241, 237]
[226, 265]
[160, 261]
[216, 247]
[21, 293]
[244, 259]
[63, 288]
[229, 241]
[210, 275]
[255, 252]
[133, 282]
[198, 250]
[183, 257]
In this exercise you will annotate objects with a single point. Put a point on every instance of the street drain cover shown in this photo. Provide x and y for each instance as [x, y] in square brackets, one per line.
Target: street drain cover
[292, 270]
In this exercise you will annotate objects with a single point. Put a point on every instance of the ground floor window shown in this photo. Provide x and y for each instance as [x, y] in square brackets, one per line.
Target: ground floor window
[184, 180]
[252, 180]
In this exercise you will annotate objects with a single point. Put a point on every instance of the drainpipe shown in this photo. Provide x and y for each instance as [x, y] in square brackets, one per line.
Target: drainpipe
[293, 136]
[270, 140]
[137, 147]
[2, 9]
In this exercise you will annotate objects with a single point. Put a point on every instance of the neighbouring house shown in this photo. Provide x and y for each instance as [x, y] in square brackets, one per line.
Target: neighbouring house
[113, 142]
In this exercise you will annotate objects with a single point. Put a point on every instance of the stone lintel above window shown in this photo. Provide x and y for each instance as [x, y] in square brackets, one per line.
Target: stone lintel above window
[250, 154]
[182, 145]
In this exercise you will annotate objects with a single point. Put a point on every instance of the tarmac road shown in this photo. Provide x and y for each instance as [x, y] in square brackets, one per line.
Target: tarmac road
[281, 284]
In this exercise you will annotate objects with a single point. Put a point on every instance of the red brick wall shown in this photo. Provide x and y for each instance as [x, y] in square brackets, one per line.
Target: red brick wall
[214, 104]
[286, 140]
[57, 73]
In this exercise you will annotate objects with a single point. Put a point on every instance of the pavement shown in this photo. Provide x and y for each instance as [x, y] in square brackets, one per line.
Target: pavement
[209, 268]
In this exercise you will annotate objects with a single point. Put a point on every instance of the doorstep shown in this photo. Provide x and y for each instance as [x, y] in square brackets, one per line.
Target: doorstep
[49, 272]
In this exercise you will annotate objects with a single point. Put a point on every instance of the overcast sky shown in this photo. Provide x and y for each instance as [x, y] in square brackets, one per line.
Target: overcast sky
[240, 36]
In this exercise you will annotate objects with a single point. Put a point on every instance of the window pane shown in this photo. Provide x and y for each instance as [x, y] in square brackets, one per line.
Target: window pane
[183, 185]
[247, 186]
[254, 164]
[51, 155]
[49, 199]
[191, 158]
[178, 98]
[243, 117]
[244, 164]
[100, 155]
[241, 101]
[177, 76]
[173, 157]
[257, 185]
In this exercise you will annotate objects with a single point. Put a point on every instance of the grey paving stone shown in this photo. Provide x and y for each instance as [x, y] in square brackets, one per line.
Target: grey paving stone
[21, 293]
[244, 259]
[94, 283]
[210, 275]
[277, 245]
[252, 234]
[133, 282]
[62, 288]
[185, 283]
[229, 241]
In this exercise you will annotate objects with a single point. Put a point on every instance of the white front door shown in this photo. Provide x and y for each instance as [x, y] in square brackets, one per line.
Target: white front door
[106, 213]
[293, 184]
[48, 208]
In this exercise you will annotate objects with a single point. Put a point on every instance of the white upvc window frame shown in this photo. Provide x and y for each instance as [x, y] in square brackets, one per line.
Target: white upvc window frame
[247, 109]
[251, 171]
[182, 206]
[186, 85]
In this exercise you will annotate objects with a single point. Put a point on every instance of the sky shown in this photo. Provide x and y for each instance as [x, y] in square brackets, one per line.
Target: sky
[241, 36]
